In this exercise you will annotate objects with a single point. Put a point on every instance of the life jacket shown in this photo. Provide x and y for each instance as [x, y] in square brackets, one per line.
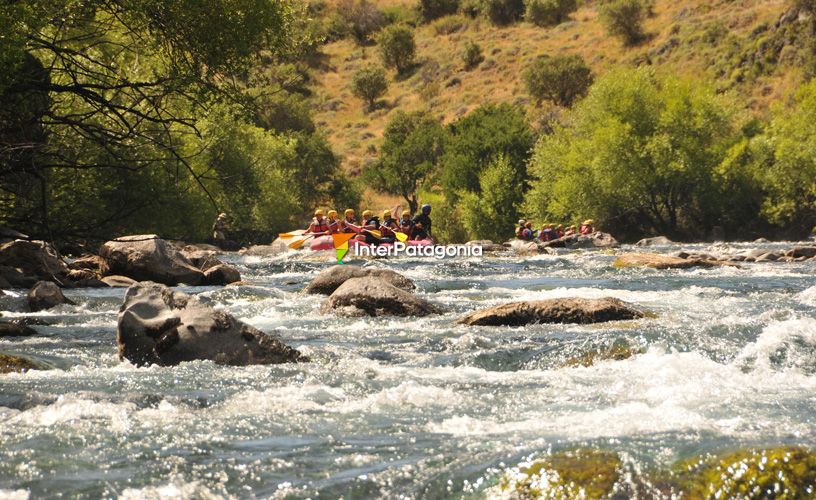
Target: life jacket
[387, 229]
[520, 232]
[405, 225]
[586, 229]
[319, 227]
[346, 228]
[334, 226]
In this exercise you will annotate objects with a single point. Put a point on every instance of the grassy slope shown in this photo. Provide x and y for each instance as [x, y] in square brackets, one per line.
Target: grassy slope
[693, 38]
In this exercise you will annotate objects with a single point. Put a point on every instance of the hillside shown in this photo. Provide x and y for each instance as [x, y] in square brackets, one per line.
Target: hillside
[739, 45]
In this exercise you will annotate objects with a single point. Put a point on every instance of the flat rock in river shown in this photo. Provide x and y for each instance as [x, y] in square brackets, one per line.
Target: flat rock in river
[330, 279]
[660, 261]
[566, 310]
[164, 327]
[149, 258]
[374, 296]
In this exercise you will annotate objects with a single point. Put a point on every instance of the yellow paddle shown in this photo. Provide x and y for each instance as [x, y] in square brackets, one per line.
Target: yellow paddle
[292, 234]
[300, 241]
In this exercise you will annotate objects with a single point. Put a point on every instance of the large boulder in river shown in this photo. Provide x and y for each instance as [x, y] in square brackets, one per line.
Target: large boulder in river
[32, 259]
[374, 296]
[149, 258]
[567, 310]
[330, 279]
[164, 327]
[660, 261]
[597, 239]
[45, 295]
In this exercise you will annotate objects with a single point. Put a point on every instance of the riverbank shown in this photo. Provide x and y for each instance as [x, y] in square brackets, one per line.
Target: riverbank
[419, 406]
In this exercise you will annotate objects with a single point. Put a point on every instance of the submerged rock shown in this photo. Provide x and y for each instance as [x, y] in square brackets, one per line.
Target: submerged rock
[374, 296]
[10, 363]
[660, 261]
[45, 295]
[785, 472]
[221, 274]
[567, 310]
[149, 258]
[582, 473]
[15, 329]
[618, 351]
[330, 279]
[654, 242]
[164, 327]
[488, 245]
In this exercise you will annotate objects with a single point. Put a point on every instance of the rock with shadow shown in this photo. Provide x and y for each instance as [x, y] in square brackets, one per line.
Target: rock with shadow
[374, 296]
[566, 310]
[331, 278]
[45, 295]
[164, 327]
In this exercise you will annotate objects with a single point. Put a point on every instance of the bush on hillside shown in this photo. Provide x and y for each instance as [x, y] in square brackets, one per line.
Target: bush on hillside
[433, 9]
[488, 215]
[549, 12]
[560, 79]
[624, 19]
[473, 55]
[450, 24]
[503, 12]
[360, 18]
[369, 84]
[397, 47]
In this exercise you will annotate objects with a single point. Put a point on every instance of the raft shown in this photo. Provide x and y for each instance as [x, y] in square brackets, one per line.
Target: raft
[327, 243]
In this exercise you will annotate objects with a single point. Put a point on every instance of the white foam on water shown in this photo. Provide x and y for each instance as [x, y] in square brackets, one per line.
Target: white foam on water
[807, 296]
[177, 488]
[75, 411]
[15, 494]
[792, 342]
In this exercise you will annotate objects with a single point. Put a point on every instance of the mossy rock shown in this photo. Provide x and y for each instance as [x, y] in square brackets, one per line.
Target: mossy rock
[583, 473]
[781, 473]
[10, 363]
[619, 351]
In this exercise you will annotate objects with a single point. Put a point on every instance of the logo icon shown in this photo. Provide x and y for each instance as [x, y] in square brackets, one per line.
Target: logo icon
[341, 245]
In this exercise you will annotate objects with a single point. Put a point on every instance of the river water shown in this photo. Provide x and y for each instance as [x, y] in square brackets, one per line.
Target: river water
[415, 407]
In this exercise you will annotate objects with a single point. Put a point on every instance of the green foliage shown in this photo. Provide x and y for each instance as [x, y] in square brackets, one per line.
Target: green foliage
[488, 215]
[369, 83]
[472, 56]
[397, 47]
[549, 12]
[785, 472]
[475, 142]
[361, 18]
[560, 79]
[503, 12]
[449, 24]
[433, 9]
[413, 143]
[624, 19]
[641, 157]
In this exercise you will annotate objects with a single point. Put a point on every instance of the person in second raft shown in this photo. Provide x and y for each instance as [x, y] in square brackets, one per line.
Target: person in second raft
[588, 227]
[388, 226]
[370, 223]
[547, 233]
[319, 225]
[406, 225]
[570, 231]
[333, 221]
[422, 224]
[559, 231]
[348, 221]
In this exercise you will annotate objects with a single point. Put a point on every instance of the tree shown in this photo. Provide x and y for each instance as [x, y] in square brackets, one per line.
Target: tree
[560, 79]
[361, 18]
[624, 19]
[503, 12]
[489, 215]
[472, 55]
[397, 47]
[549, 12]
[433, 9]
[641, 156]
[476, 140]
[413, 143]
[369, 84]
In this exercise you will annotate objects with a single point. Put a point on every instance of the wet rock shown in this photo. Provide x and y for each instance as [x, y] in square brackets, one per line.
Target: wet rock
[149, 258]
[581, 473]
[375, 296]
[221, 274]
[597, 239]
[45, 295]
[654, 242]
[116, 281]
[164, 327]
[32, 259]
[566, 310]
[798, 252]
[15, 329]
[332, 278]
[81, 275]
[660, 261]
[487, 245]
[15, 278]
[762, 240]
[785, 472]
[769, 257]
[93, 263]
[618, 351]
[10, 363]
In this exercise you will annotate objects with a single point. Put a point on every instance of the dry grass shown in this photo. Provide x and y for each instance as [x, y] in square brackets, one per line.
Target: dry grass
[441, 85]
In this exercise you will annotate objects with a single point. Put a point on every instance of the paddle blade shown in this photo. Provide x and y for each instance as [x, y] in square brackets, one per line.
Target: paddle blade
[299, 242]
[374, 233]
[401, 236]
[292, 234]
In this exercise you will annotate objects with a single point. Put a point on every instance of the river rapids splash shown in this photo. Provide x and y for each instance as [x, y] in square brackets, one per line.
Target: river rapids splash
[415, 407]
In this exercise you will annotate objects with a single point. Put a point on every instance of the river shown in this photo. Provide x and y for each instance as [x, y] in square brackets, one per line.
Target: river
[415, 407]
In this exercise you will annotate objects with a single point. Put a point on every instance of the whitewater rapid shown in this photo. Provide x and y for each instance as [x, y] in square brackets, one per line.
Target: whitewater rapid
[418, 407]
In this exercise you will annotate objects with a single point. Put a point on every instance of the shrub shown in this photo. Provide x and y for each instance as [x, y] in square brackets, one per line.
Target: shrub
[624, 19]
[369, 84]
[560, 79]
[473, 55]
[489, 214]
[433, 9]
[503, 11]
[449, 24]
[397, 47]
[549, 12]
[362, 18]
